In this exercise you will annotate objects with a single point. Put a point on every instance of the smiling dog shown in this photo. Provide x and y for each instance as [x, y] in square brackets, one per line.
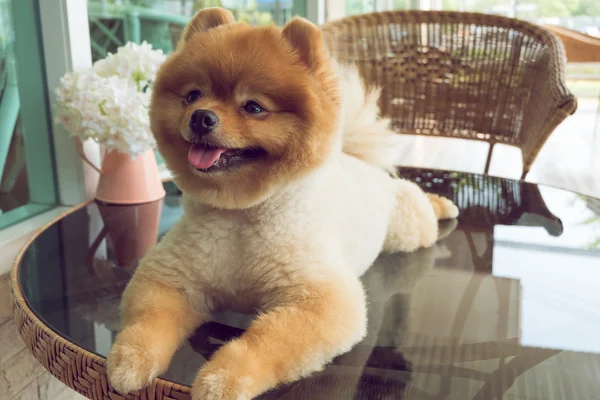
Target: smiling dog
[289, 197]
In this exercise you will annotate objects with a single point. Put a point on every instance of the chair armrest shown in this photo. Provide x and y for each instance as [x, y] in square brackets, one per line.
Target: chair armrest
[550, 101]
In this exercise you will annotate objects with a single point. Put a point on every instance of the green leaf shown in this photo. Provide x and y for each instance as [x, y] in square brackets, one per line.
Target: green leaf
[101, 107]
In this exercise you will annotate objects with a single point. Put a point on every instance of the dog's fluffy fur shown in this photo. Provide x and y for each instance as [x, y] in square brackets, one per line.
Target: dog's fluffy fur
[287, 233]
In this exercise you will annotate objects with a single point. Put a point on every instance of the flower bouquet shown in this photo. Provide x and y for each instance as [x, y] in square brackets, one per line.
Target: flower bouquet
[109, 104]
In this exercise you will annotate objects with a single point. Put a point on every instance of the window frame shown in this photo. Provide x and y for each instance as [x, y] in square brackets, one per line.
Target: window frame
[63, 32]
[25, 71]
[66, 39]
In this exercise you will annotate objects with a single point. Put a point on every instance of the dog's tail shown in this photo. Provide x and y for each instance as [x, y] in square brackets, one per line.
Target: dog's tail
[366, 135]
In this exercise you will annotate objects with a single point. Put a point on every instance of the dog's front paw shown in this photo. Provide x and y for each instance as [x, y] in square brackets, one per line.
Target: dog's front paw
[233, 373]
[221, 384]
[130, 368]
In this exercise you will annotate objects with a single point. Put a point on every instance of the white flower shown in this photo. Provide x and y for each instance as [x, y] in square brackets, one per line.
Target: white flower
[139, 63]
[105, 109]
[109, 103]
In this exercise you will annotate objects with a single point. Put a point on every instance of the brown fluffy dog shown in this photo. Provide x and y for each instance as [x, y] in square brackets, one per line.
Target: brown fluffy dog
[228, 66]
[281, 157]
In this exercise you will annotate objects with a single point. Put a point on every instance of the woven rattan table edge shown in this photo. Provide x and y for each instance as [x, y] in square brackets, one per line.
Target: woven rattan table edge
[76, 367]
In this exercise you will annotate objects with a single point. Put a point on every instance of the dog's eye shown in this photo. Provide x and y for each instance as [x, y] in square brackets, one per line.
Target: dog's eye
[253, 107]
[193, 96]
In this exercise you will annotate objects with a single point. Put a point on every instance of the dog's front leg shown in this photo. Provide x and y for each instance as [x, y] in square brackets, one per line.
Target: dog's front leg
[156, 318]
[314, 322]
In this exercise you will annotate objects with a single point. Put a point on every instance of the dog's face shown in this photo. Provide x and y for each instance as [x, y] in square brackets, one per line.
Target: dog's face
[238, 112]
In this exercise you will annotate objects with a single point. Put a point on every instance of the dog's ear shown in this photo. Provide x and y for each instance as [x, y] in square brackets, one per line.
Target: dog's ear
[207, 19]
[307, 40]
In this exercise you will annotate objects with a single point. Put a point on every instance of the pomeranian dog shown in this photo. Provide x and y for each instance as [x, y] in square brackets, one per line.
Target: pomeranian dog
[283, 162]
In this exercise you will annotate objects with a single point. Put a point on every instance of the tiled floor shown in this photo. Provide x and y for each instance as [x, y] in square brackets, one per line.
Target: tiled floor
[22, 377]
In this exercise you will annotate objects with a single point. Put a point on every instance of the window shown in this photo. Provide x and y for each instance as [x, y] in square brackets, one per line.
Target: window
[160, 22]
[27, 185]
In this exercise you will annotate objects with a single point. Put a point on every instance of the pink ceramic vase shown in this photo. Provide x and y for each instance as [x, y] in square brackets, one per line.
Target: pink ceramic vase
[127, 180]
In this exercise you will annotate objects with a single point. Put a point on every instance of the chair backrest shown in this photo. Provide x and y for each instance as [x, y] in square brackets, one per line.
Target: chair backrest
[464, 75]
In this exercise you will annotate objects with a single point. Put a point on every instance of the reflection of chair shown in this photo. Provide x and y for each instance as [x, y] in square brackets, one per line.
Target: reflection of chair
[513, 361]
[460, 75]
[485, 202]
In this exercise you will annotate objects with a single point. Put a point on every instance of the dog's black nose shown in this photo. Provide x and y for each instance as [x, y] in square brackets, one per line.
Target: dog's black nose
[203, 122]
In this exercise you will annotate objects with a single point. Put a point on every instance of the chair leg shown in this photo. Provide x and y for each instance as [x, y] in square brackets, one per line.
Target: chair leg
[489, 159]
[526, 169]
[526, 166]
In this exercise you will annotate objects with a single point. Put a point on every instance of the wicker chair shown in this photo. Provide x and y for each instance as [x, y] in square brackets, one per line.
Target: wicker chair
[461, 75]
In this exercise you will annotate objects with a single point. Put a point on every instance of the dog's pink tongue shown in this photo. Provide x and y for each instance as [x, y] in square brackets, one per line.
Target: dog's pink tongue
[202, 157]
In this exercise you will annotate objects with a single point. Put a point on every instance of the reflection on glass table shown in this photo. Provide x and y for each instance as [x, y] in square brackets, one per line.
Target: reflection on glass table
[507, 303]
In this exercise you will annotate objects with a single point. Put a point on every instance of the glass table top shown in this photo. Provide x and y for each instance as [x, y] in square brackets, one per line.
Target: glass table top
[507, 304]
